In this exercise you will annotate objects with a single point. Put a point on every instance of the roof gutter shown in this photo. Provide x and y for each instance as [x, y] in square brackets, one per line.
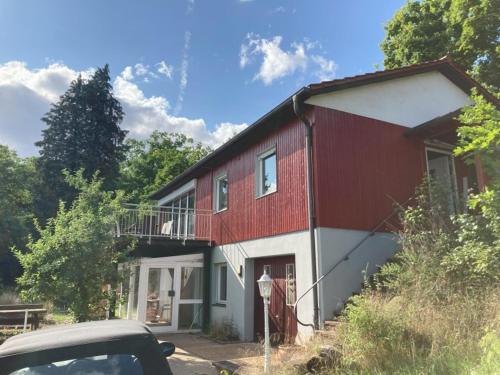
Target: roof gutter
[298, 108]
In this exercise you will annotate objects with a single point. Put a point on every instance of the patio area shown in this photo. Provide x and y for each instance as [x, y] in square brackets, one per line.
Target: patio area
[195, 354]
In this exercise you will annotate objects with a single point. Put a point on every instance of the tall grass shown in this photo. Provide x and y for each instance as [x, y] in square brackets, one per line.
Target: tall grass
[436, 308]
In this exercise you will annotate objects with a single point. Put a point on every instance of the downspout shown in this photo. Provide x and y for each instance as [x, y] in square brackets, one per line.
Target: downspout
[299, 112]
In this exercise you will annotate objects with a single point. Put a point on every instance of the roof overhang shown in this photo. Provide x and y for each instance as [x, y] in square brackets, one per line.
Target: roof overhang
[284, 111]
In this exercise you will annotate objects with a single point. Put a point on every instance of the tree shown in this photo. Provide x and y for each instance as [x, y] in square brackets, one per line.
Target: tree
[479, 135]
[466, 30]
[83, 132]
[76, 254]
[153, 162]
[15, 209]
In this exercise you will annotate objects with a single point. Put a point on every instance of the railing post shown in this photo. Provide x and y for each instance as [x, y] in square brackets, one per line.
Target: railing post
[150, 224]
[186, 224]
[210, 227]
[25, 320]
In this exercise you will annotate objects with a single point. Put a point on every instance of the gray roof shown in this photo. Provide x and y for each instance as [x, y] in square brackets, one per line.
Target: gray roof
[73, 335]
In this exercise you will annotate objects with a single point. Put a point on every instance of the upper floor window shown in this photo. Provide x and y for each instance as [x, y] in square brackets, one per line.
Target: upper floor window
[221, 192]
[266, 175]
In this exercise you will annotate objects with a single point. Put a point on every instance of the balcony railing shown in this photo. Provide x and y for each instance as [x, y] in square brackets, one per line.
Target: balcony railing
[165, 222]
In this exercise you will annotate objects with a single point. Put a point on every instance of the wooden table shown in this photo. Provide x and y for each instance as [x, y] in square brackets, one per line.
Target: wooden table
[36, 313]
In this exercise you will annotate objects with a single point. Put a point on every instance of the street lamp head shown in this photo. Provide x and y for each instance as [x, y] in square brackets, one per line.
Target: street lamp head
[265, 285]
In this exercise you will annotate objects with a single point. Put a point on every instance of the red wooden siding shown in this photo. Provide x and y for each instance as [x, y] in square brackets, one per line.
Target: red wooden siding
[247, 217]
[362, 166]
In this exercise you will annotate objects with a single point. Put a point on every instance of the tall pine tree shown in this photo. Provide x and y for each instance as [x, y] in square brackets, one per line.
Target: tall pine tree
[83, 132]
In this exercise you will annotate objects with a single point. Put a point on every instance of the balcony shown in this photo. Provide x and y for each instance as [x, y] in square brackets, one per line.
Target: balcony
[165, 223]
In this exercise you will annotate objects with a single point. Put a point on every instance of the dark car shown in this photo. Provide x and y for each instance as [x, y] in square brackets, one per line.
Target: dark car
[120, 347]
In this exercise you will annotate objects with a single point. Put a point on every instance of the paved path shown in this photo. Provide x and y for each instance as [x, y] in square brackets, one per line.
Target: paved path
[195, 354]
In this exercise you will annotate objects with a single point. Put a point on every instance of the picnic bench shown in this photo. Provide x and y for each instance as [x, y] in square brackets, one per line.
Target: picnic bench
[22, 315]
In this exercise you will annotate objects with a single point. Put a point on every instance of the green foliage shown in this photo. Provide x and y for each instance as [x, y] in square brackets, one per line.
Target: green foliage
[82, 132]
[490, 359]
[153, 162]
[16, 204]
[467, 30]
[76, 255]
[432, 305]
[479, 135]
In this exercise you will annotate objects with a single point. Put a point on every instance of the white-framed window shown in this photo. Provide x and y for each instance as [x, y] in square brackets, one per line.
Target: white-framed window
[221, 193]
[291, 288]
[221, 283]
[266, 173]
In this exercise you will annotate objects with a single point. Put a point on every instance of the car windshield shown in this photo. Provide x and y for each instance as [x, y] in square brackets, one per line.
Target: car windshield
[116, 364]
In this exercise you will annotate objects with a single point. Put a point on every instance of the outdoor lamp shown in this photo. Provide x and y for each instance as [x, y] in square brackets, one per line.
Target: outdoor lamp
[265, 286]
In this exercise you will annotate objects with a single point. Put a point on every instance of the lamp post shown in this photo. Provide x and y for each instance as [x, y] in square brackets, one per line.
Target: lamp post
[265, 286]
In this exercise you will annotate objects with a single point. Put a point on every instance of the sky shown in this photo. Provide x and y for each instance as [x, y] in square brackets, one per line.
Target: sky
[206, 68]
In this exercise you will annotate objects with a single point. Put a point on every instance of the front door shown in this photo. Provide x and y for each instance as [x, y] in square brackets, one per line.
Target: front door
[282, 324]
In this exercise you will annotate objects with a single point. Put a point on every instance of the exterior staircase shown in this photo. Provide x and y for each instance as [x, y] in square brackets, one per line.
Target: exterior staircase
[329, 330]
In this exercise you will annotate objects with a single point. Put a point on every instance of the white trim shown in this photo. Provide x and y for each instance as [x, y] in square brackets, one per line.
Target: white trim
[259, 172]
[191, 185]
[216, 192]
[177, 263]
[294, 284]
[218, 267]
[453, 171]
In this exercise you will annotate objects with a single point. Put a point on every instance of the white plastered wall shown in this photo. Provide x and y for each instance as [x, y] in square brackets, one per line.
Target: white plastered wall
[407, 101]
[347, 278]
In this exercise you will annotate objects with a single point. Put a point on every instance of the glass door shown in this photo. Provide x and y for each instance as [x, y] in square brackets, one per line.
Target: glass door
[160, 297]
[191, 298]
[170, 294]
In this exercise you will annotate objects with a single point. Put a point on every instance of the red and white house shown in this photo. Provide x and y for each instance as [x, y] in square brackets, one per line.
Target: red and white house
[306, 193]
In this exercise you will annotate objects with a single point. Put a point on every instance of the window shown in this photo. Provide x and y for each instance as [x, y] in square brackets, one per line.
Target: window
[266, 173]
[441, 170]
[179, 213]
[290, 284]
[221, 190]
[99, 364]
[221, 279]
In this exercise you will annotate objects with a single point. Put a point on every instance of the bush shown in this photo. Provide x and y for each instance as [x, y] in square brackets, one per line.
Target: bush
[435, 309]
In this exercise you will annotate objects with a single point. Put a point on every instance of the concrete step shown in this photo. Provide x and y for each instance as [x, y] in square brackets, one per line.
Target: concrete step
[325, 334]
[331, 324]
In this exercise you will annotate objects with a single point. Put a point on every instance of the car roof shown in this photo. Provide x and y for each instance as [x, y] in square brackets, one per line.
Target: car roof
[74, 335]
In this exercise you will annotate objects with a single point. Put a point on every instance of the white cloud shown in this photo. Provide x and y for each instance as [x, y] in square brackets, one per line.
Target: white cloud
[127, 73]
[165, 69]
[26, 94]
[280, 9]
[145, 114]
[276, 62]
[327, 68]
[141, 69]
[184, 72]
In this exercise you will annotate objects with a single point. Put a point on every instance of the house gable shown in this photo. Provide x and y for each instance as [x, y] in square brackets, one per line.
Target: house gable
[407, 101]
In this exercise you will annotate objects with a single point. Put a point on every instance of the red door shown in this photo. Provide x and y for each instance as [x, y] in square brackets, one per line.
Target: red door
[282, 324]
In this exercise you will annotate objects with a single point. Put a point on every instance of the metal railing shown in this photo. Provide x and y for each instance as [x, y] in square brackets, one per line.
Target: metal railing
[164, 222]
